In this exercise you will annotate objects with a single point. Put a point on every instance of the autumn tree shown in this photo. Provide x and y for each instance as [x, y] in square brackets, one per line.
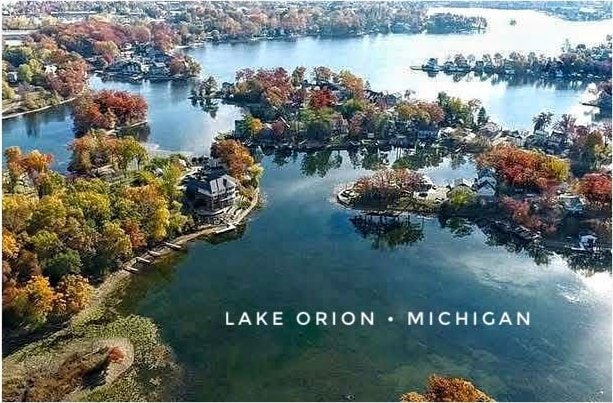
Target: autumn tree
[323, 98]
[447, 389]
[542, 120]
[73, 294]
[253, 125]
[596, 187]
[322, 74]
[108, 109]
[33, 302]
[525, 168]
[353, 83]
[14, 165]
[236, 156]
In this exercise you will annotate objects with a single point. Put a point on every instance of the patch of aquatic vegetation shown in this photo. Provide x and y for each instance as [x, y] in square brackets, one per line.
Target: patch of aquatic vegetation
[154, 375]
[154, 364]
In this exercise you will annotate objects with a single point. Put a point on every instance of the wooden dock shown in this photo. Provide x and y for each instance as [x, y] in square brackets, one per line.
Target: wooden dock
[228, 228]
[173, 246]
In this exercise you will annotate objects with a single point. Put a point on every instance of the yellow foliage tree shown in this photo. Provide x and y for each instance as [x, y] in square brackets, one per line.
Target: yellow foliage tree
[447, 389]
[73, 294]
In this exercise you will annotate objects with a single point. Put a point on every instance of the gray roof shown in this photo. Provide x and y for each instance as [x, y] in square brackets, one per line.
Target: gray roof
[212, 184]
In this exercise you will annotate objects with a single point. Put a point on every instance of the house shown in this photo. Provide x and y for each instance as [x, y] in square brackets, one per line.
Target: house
[50, 68]
[489, 130]
[572, 204]
[462, 182]
[515, 137]
[485, 185]
[428, 133]
[426, 184]
[485, 191]
[12, 77]
[587, 241]
[392, 99]
[129, 67]
[211, 191]
[159, 69]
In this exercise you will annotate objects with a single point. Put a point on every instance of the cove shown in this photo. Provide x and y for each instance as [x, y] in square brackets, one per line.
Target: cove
[301, 252]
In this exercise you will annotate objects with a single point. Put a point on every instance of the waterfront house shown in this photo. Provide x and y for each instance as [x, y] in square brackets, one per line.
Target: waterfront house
[392, 99]
[159, 70]
[485, 185]
[462, 182]
[489, 130]
[210, 191]
[428, 133]
[572, 204]
[485, 191]
[12, 77]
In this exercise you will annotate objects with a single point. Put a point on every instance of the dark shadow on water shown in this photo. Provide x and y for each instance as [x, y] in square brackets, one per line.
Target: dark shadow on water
[388, 233]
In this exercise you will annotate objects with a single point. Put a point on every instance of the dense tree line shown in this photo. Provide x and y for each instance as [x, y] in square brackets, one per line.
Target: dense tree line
[46, 73]
[59, 231]
[102, 38]
[326, 103]
[108, 109]
[527, 169]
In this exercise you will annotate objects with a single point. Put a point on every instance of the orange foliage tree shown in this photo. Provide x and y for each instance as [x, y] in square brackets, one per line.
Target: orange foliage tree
[525, 168]
[108, 109]
[236, 156]
[596, 187]
[447, 389]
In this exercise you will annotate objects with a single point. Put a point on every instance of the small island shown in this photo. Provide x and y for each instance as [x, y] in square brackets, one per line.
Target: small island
[574, 63]
[446, 23]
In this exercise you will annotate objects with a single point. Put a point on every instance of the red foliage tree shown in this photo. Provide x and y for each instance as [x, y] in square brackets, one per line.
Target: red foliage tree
[520, 212]
[322, 99]
[596, 188]
[525, 168]
[107, 109]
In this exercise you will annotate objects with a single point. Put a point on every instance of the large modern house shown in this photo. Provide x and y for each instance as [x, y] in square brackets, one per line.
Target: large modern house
[210, 191]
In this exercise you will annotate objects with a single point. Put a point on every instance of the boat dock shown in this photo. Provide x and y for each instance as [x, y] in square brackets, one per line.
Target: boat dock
[228, 228]
[173, 246]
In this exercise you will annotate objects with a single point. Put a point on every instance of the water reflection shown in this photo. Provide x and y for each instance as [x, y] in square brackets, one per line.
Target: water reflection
[515, 80]
[35, 122]
[320, 162]
[389, 232]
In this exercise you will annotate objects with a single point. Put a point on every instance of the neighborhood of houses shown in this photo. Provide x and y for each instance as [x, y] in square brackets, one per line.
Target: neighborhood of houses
[141, 61]
[596, 57]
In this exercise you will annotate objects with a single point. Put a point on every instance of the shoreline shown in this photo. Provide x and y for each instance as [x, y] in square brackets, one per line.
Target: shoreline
[15, 115]
[176, 244]
[91, 328]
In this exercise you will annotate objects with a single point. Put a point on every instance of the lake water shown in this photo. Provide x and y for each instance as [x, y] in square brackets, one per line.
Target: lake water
[384, 60]
[301, 251]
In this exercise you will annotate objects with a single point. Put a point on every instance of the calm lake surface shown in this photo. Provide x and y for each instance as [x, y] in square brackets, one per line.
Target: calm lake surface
[384, 60]
[301, 251]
